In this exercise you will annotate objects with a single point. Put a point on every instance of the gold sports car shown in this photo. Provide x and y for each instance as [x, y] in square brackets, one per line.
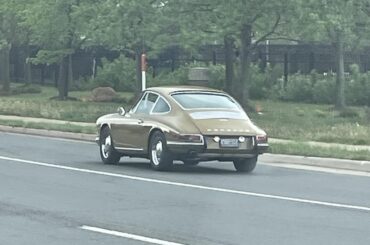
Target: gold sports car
[190, 124]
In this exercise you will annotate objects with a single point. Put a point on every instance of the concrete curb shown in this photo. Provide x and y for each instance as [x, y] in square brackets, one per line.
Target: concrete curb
[266, 158]
[44, 120]
[48, 133]
[323, 144]
[334, 163]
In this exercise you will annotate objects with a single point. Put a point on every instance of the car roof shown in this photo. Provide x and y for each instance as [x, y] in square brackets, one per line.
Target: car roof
[167, 90]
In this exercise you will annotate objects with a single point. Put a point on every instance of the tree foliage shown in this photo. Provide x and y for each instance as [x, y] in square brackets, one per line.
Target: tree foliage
[343, 23]
[60, 27]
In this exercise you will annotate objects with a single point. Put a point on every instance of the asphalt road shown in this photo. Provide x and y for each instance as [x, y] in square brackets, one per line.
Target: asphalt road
[58, 192]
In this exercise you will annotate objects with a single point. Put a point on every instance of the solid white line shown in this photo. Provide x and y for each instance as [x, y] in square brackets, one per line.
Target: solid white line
[128, 235]
[318, 169]
[201, 187]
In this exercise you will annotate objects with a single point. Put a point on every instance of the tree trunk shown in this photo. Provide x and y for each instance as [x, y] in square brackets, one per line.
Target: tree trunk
[42, 82]
[286, 70]
[93, 69]
[229, 63]
[245, 61]
[56, 69]
[340, 102]
[5, 67]
[70, 70]
[62, 80]
[66, 77]
[27, 67]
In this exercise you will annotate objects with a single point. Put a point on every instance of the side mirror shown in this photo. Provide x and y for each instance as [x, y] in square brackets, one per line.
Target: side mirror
[121, 111]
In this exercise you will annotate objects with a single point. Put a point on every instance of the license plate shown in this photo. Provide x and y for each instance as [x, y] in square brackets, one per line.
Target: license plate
[229, 143]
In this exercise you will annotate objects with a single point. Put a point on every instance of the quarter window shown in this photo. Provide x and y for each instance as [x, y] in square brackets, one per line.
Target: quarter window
[146, 104]
[161, 106]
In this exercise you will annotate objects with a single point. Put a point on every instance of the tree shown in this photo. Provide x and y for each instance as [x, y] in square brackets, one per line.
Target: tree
[10, 34]
[53, 30]
[130, 27]
[244, 24]
[343, 23]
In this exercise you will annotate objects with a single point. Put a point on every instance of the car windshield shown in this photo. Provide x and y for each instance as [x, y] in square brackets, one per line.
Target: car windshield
[204, 101]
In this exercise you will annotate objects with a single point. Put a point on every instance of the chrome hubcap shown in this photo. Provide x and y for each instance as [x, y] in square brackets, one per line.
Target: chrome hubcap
[105, 146]
[157, 150]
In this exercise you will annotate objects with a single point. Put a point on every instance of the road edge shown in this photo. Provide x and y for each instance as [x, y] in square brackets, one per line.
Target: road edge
[334, 163]
[48, 133]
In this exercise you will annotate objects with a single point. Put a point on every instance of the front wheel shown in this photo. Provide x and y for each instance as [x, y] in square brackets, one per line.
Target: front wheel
[245, 165]
[108, 154]
[160, 157]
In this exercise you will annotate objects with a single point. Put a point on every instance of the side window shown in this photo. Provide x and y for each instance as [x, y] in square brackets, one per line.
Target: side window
[146, 104]
[161, 106]
[140, 107]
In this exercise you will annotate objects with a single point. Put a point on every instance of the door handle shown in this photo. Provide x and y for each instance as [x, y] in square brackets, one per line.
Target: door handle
[140, 121]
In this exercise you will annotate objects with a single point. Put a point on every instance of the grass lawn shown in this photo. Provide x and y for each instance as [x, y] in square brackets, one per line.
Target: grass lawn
[48, 126]
[303, 149]
[308, 122]
[40, 105]
[295, 121]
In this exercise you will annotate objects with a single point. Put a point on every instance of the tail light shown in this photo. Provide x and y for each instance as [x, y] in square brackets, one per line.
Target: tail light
[261, 139]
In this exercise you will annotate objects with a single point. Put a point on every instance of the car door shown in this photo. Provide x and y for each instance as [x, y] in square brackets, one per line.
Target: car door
[133, 134]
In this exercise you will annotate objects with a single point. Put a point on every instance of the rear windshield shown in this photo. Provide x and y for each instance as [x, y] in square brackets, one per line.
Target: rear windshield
[204, 101]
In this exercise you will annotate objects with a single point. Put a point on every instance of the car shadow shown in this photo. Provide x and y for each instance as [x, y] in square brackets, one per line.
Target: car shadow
[178, 167]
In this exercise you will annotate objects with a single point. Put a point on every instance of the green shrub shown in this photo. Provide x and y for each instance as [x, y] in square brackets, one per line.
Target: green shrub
[348, 113]
[358, 88]
[299, 89]
[179, 76]
[119, 74]
[27, 89]
[324, 90]
[265, 84]
[217, 76]
[257, 83]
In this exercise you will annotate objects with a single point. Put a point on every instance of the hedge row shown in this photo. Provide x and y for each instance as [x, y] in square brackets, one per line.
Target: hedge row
[266, 84]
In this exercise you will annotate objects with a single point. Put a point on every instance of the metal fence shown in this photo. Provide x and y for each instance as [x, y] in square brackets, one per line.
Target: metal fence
[301, 58]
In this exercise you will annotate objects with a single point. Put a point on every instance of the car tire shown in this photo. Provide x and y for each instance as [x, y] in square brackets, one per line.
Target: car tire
[245, 165]
[108, 154]
[160, 157]
[191, 162]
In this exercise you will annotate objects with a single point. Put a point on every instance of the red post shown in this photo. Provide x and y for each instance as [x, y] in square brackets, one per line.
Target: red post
[143, 69]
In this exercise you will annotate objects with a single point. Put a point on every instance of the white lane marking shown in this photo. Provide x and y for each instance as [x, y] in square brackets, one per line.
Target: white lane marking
[51, 138]
[201, 187]
[318, 169]
[128, 235]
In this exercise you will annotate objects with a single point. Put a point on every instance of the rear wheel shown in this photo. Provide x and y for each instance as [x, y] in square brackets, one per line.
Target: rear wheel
[245, 165]
[160, 157]
[108, 154]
